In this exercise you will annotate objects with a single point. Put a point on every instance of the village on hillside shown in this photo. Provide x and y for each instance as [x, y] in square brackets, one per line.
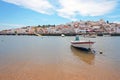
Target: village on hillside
[76, 27]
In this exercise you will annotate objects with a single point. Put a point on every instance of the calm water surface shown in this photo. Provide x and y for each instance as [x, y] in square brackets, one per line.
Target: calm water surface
[52, 58]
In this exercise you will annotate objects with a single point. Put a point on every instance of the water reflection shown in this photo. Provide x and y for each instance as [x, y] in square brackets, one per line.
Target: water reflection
[83, 55]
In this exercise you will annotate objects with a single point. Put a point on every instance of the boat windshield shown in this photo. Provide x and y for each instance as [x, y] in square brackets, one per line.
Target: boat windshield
[77, 38]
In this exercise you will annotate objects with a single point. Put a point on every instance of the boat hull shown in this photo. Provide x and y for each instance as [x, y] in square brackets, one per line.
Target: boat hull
[83, 45]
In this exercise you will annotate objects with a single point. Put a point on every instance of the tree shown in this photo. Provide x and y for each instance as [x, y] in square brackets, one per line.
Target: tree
[107, 22]
[54, 25]
[38, 26]
[15, 32]
[35, 29]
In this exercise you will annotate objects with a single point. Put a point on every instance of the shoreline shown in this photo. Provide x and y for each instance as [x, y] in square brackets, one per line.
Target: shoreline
[99, 34]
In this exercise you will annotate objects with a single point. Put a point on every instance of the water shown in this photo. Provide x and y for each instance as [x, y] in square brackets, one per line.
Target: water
[52, 58]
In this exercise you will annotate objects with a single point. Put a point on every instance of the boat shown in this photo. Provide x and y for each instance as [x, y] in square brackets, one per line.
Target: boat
[62, 35]
[82, 44]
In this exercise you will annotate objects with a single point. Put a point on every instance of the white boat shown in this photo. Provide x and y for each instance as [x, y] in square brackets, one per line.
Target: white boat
[62, 35]
[83, 45]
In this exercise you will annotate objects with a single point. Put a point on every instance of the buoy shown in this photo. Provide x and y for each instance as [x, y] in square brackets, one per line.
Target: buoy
[101, 52]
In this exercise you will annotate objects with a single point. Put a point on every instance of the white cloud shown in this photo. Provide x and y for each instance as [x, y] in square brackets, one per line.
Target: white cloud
[41, 6]
[70, 8]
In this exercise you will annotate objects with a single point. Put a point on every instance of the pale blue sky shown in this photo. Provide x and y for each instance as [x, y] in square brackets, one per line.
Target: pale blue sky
[18, 13]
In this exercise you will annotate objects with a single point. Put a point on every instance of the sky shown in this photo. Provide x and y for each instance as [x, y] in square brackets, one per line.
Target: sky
[19, 13]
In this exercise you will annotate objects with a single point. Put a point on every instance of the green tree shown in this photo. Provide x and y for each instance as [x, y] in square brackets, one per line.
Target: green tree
[107, 22]
[38, 26]
[15, 32]
[35, 29]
